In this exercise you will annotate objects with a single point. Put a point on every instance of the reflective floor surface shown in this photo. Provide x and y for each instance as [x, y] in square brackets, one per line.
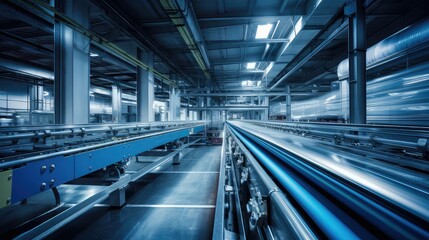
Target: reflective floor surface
[175, 202]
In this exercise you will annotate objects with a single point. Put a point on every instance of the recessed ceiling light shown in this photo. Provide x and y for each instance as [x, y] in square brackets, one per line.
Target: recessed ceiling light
[263, 31]
[93, 55]
[251, 65]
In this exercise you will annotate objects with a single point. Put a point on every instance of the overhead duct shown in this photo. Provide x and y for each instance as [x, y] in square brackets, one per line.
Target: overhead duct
[183, 17]
[396, 44]
[26, 68]
[32, 69]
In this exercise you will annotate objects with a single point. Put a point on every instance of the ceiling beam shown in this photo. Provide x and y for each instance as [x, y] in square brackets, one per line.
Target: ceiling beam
[250, 41]
[229, 108]
[245, 94]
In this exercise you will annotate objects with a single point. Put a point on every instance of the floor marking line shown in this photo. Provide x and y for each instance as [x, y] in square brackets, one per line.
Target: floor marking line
[168, 206]
[198, 172]
[155, 206]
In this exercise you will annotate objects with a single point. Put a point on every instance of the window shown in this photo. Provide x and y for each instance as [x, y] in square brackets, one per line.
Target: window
[263, 31]
[251, 65]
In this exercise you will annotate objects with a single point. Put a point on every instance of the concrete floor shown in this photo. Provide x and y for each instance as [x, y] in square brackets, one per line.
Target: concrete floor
[175, 202]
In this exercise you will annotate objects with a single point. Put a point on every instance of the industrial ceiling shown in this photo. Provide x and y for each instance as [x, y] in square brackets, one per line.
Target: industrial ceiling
[226, 47]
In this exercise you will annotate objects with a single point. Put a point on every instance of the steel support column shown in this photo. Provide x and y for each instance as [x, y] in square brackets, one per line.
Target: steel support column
[72, 65]
[357, 60]
[36, 98]
[145, 88]
[116, 104]
[288, 104]
[174, 105]
[266, 111]
[201, 116]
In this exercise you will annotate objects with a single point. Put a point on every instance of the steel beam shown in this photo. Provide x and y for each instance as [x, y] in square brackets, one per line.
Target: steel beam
[229, 108]
[122, 21]
[243, 93]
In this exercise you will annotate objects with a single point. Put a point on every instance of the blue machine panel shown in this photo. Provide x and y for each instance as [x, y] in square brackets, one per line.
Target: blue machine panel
[42, 175]
[36, 177]
[94, 160]
[197, 129]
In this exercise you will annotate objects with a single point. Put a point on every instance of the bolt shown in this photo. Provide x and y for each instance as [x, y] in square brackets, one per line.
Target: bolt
[90, 155]
[43, 169]
[9, 177]
[90, 168]
[42, 186]
[52, 167]
[51, 183]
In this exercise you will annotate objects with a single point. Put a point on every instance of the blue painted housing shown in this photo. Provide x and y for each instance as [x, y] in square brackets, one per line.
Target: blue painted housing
[30, 179]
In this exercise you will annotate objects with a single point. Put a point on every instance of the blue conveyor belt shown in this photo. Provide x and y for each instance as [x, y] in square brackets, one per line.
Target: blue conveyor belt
[340, 209]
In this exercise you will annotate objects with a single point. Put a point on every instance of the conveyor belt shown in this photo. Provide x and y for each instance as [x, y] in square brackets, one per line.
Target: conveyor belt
[342, 194]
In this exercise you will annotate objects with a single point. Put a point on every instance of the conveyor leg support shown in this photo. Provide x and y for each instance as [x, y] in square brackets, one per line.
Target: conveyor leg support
[176, 159]
[117, 197]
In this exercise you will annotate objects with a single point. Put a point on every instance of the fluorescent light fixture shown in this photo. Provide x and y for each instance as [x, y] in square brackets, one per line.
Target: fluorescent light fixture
[263, 31]
[45, 93]
[251, 65]
[248, 83]
[93, 55]
[268, 69]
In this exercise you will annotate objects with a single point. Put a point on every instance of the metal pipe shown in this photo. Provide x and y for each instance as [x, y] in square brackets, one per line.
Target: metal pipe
[397, 43]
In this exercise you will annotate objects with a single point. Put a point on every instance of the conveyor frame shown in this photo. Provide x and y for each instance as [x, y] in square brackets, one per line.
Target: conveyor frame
[394, 208]
[37, 173]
